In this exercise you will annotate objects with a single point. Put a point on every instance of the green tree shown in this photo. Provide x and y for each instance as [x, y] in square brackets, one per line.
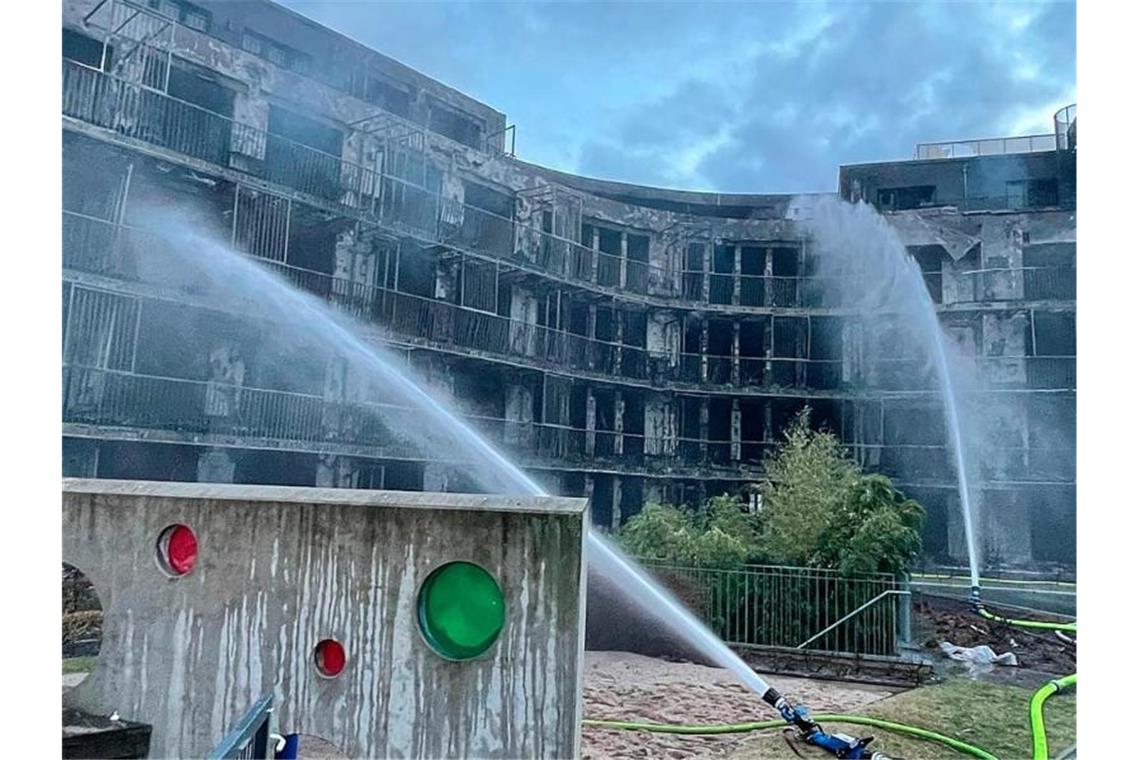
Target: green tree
[821, 510]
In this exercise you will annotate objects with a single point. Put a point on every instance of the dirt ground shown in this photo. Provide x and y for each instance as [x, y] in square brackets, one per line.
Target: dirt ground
[631, 687]
[1036, 650]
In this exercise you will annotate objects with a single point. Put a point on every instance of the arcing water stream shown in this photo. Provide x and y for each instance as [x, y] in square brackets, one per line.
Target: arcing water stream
[856, 246]
[312, 328]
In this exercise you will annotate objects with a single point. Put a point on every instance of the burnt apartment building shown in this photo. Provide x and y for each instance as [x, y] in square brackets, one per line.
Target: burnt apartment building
[626, 343]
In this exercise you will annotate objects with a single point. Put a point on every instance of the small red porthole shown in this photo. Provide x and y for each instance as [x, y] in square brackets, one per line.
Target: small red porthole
[329, 658]
[177, 550]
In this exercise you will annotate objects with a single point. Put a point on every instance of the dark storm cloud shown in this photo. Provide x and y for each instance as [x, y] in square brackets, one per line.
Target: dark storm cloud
[747, 98]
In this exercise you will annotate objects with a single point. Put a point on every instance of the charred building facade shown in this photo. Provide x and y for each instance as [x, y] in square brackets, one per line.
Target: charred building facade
[625, 343]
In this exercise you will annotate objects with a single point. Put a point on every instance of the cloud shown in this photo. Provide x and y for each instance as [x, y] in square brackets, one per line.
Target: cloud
[765, 97]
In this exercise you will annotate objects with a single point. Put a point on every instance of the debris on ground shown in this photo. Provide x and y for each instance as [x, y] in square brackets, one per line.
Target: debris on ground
[979, 655]
[958, 623]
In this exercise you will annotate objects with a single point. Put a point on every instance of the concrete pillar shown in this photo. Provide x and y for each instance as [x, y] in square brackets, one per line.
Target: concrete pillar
[736, 275]
[704, 350]
[619, 423]
[250, 122]
[769, 288]
[615, 509]
[591, 421]
[524, 321]
[519, 411]
[593, 244]
[660, 426]
[223, 389]
[336, 471]
[704, 428]
[623, 263]
[736, 352]
[735, 430]
[619, 336]
[769, 348]
[215, 466]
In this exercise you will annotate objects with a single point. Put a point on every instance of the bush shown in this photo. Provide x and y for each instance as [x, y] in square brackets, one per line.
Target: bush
[720, 535]
[819, 510]
[822, 511]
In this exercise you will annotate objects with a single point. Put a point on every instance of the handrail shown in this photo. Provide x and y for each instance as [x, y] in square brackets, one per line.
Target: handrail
[853, 613]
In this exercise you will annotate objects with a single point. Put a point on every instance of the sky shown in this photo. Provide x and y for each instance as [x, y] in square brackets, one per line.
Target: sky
[733, 97]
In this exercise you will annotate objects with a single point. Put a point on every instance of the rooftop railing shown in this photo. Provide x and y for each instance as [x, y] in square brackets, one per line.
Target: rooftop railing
[995, 146]
[1064, 125]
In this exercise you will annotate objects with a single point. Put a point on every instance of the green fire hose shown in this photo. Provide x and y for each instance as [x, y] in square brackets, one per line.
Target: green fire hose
[731, 728]
[1036, 723]
[1037, 714]
[1039, 624]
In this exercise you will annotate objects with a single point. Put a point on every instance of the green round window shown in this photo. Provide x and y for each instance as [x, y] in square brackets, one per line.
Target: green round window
[461, 610]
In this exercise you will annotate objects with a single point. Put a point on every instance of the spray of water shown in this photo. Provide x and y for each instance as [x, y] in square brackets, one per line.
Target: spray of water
[856, 248]
[199, 261]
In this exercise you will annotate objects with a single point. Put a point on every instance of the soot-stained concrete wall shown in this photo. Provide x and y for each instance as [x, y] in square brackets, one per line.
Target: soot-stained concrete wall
[279, 569]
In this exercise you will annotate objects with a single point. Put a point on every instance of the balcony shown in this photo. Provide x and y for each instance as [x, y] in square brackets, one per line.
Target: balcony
[208, 411]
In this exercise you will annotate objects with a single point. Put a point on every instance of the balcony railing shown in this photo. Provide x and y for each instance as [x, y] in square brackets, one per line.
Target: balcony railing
[445, 324]
[1013, 284]
[145, 114]
[110, 398]
[449, 325]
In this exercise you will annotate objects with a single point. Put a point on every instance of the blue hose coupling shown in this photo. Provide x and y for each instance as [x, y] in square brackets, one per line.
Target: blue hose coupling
[976, 597]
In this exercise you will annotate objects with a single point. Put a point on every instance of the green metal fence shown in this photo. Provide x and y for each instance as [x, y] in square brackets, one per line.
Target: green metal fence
[766, 605]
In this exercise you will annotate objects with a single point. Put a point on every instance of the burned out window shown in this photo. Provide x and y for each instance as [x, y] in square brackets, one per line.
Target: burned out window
[390, 97]
[276, 53]
[185, 13]
[929, 260]
[82, 49]
[1031, 193]
[903, 198]
[458, 126]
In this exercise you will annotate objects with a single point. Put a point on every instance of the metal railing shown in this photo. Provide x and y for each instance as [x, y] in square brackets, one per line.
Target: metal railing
[251, 737]
[146, 114]
[995, 146]
[1064, 122]
[88, 244]
[760, 605]
[112, 398]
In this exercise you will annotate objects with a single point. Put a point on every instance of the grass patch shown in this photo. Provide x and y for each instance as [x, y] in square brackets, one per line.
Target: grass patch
[993, 717]
[78, 665]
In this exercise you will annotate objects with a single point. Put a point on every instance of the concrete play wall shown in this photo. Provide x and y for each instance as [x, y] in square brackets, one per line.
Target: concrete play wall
[277, 570]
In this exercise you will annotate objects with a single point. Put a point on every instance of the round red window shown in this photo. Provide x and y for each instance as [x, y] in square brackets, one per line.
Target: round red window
[177, 550]
[329, 657]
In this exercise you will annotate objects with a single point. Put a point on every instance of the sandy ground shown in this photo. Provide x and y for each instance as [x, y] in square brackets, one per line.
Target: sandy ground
[621, 686]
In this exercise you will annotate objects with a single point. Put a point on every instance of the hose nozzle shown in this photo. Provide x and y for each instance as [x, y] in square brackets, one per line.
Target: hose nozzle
[976, 597]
